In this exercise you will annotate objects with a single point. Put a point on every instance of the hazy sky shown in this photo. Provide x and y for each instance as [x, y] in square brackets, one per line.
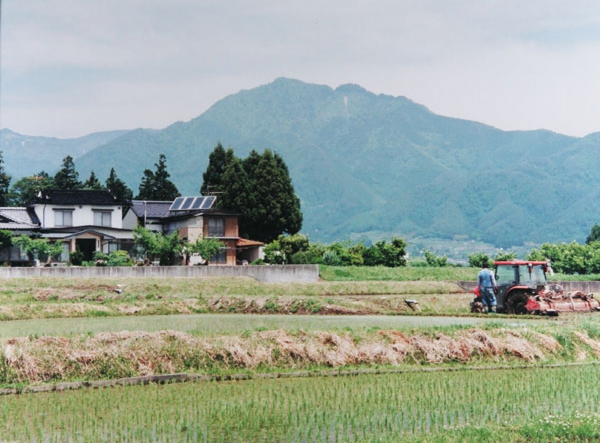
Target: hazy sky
[72, 67]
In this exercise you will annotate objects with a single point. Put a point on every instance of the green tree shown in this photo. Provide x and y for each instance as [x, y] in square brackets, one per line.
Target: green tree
[92, 183]
[26, 189]
[4, 183]
[67, 178]
[156, 245]
[37, 248]
[276, 208]
[213, 179]
[156, 185]
[236, 195]
[391, 254]
[117, 187]
[258, 188]
[594, 234]
[505, 256]
[436, 261]
[479, 259]
[207, 247]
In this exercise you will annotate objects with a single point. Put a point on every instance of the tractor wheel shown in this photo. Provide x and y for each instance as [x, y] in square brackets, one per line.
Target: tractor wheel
[516, 302]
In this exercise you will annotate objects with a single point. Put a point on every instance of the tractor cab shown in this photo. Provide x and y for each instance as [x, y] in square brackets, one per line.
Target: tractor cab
[516, 281]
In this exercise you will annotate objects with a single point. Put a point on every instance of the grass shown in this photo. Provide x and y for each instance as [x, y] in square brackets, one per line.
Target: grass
[481, 406]
[420, 273]
[84, 330]
[68, 298]
[405, 273]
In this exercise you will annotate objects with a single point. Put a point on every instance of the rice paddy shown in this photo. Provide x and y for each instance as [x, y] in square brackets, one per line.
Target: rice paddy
[83, 331]
[423, 406]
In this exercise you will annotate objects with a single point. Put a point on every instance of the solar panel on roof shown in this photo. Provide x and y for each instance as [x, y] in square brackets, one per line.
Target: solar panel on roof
[177, 204]
[208, 202]
[192, 203]
[198, 201]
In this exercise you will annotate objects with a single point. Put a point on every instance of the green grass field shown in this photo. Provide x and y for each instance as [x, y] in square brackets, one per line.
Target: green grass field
[56, 327]
[554, 404]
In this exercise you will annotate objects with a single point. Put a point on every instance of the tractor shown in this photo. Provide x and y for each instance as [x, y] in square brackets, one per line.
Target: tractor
[522, 288]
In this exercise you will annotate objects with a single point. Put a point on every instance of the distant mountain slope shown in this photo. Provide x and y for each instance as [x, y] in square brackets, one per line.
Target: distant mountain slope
[372, 166]
[26, 155]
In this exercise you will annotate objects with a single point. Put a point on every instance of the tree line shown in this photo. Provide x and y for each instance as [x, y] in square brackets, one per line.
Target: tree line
[258, 189]
[155, 185]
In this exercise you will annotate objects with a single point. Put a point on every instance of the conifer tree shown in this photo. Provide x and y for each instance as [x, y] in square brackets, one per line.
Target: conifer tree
[67, 178]
[276, 208]
[92, 183]
[213, 178]
[117, 187]
[156, 185]
[4, 183]
[259, 189]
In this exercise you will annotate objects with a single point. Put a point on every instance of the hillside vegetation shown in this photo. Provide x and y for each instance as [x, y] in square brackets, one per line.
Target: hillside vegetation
[372, 166]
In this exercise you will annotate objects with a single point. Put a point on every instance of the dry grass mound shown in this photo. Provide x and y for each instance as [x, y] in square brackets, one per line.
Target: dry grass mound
[128, 354]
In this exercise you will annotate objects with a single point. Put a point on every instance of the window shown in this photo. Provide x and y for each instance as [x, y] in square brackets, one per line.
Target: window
[505, 274]
[216, 227]
[103, 218]
[63, 217]
[219, 257]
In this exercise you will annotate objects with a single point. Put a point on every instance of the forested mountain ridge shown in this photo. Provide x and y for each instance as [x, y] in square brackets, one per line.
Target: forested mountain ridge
[372, 166]
[25, 154]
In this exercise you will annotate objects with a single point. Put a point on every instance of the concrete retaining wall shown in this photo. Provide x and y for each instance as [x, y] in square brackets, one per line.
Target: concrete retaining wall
[267, 274]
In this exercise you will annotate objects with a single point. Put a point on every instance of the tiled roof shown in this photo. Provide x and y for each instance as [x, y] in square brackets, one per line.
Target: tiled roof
[151, 209]
[17, 218]
[76, 197]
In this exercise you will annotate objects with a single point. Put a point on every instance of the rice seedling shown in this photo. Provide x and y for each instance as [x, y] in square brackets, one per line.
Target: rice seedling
[422, 406]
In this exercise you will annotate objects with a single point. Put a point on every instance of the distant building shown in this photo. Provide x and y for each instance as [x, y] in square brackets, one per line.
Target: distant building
[92, 220]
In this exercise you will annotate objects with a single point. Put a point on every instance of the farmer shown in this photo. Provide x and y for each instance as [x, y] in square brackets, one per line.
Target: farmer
[487, 288]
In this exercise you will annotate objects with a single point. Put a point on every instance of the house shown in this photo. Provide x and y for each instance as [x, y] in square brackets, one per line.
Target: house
[81, 220]
[92, 220]
[196, 218]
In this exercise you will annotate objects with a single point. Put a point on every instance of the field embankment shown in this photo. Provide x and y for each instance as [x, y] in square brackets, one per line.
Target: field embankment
[39, 357]
[31, 360]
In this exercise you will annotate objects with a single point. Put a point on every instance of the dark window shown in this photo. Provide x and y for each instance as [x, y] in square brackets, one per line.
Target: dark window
[216, 227]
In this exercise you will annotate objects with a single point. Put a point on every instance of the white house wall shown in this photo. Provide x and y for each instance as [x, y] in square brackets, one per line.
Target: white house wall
[82, 215]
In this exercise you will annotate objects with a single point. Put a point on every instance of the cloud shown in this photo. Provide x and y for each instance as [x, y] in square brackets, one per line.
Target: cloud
[132, 63]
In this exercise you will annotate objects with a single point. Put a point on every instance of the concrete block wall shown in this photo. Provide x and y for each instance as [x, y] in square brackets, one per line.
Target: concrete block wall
[267, 274]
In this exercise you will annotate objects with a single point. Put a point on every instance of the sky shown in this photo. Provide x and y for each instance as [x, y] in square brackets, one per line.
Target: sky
[72, 67]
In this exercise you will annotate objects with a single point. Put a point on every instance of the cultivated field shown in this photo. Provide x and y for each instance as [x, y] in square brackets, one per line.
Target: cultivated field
[341, 360]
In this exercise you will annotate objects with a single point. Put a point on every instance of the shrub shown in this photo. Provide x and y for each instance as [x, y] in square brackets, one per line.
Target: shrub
[479, 260]
[76, 258]
[435, 261]
[119, 258]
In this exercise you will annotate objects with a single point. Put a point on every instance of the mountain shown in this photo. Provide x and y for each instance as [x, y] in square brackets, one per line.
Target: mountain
[372, 166]
[27, 155]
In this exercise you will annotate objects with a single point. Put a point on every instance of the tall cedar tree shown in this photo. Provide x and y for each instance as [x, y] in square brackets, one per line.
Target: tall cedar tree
[117, 187]
[92, 183]
[24, 190]
[156, 185]
[258, 188]
[67, 178]
[236, 194]
[4, 182]
[277, 208]
[218, 160]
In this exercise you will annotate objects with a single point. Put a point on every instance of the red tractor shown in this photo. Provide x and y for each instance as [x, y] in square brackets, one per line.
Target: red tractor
[522, 288]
